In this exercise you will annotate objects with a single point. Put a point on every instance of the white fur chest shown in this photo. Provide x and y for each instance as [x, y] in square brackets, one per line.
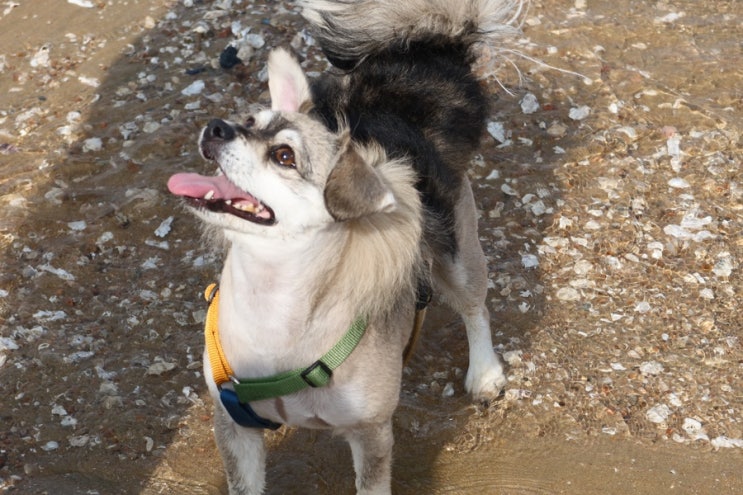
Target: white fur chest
[263, 312]
[266, 327]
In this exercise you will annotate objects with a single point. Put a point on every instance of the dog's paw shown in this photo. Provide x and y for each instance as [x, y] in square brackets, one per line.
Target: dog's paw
[485, 381]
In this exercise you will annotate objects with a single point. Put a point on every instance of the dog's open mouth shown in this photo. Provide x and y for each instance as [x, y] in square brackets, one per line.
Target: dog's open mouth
[219, 195]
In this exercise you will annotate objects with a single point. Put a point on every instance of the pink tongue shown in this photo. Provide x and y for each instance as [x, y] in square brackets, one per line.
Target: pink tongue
[198, 186]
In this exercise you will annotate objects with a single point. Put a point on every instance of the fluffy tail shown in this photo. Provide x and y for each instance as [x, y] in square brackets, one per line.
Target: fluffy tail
[349, 30]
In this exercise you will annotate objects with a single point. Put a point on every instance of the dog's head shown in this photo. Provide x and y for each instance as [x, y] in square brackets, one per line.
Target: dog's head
[281, 170]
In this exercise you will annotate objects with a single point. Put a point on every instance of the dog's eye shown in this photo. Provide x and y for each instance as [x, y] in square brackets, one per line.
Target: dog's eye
[284, 156]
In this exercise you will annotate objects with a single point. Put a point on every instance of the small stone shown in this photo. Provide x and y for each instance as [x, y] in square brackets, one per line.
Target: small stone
[529, 261]
[89, 81]
[164, 228]
[677, 232]
[723, 442]
[108, 388]
[112, 402]
[46, 316]
[87, 4]
[656, 250]
[582, 267]
[669, 18]
[630, 132]
[568, 294]
[79, 441]
[92, 144]
[724, 266]
[77, 226]
[160, 367]
[529, 104]
[255, 40]
[104, 237]
[538, 208]
[497, 131]
[513, 358]
[41, 57]
[76, 357]
[508, 190]
[150, 127]
[148, 295]
[651, 368]
[194, 88]
[658, 414]
[693, 428]
[579, 113]
[68, 421]
[674, 400]
[198, 316]
[448, 390]
[557, 130]
[513, 394]
[59, 410]
[679, 183]
[673, 148]
[49, 446]
[643, 307]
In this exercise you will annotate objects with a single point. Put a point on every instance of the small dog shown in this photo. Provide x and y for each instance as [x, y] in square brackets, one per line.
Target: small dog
[340, 204]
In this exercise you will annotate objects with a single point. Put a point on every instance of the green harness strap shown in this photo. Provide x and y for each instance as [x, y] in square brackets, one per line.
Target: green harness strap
[316, 375]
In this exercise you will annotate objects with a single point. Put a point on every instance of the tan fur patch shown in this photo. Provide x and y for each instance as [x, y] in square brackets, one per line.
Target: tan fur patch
[354, 189]
[381, 257]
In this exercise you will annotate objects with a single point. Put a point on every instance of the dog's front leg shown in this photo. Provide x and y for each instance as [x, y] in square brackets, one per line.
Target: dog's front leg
[371, 447]
[243, 454]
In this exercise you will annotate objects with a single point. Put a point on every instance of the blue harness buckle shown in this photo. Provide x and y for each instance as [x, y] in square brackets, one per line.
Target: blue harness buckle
[242, 413]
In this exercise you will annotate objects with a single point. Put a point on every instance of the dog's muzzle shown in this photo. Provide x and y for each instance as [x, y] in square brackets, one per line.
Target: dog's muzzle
[215, 134]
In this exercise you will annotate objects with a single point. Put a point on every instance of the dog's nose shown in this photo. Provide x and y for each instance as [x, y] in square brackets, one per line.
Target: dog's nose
[219, 130]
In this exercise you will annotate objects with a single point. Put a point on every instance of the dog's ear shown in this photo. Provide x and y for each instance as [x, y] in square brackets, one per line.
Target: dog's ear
[286, 82]
[354, 189]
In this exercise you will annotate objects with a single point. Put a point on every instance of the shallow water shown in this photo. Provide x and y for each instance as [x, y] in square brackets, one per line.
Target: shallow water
[94, 303]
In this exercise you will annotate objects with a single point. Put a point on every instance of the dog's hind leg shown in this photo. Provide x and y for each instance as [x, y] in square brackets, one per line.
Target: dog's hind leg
[462, 282]
[371, 447]
[243, 454]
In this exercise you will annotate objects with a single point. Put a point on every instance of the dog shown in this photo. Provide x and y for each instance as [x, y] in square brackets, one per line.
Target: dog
[341, 204]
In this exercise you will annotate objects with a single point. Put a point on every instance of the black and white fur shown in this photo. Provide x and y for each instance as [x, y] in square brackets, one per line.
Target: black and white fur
[341, 200]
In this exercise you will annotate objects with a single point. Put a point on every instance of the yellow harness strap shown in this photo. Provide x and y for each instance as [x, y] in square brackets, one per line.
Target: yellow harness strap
[221, 370]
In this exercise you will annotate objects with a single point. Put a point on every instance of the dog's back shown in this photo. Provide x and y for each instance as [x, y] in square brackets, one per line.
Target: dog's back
[407, 84]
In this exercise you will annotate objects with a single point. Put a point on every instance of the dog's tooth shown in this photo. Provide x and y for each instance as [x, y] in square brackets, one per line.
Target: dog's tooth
[228, 202]
[247, 207]
[209, 196]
